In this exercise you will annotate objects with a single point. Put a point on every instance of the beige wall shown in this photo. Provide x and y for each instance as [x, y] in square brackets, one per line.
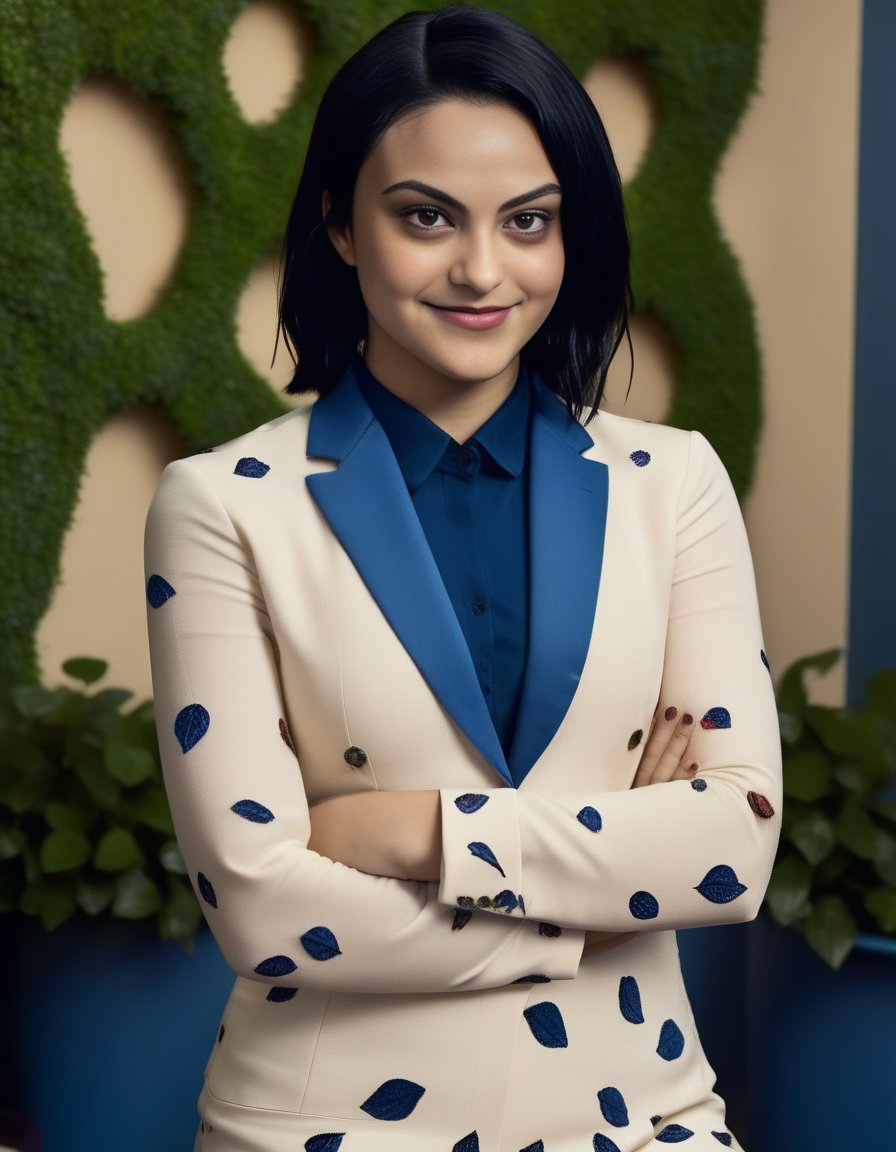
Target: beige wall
[786, 196]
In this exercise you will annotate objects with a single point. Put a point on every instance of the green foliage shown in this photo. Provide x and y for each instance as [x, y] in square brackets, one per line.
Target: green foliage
[84, 823]
[68, 368]
[835, 874]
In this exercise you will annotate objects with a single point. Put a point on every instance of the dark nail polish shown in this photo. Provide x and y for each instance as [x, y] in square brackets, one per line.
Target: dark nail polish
[671, 712]
[687, 719]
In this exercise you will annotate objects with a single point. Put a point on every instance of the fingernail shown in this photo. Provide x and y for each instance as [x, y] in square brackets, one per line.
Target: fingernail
[687, 719]
[670, 713]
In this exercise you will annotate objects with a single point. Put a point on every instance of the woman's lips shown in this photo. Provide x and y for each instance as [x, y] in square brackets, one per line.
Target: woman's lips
[475, 318]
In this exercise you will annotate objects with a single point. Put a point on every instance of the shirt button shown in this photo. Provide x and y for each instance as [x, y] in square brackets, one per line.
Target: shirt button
[478, 607]
[356, 757]
[464, 459]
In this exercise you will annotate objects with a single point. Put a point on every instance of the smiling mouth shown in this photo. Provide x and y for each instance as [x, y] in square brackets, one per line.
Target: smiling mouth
[473, 318]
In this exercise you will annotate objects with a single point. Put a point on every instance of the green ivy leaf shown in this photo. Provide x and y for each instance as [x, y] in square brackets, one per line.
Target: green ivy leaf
[844, 734]
[27, 780]
[791, 688]
[63, 850]
[813, 834]
[833, 867]
[102, 712]
[12, 841]
[94, 896]
[881, 903]
[85, 669]
[788, 890]
[53, 902]
[136, 896]
[171, 859]
[129, 765]
[807, 775]
[180, 915]
[33, 701]
[72, 816]
[103, 789]
[884, 856]
[116, 851]
[855, 829]
[830, 929]
[150, 807]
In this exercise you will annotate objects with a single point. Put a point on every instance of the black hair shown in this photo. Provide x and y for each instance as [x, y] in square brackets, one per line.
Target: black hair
[420, 59]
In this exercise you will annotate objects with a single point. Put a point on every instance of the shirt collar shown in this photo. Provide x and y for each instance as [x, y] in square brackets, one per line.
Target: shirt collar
[419, 444]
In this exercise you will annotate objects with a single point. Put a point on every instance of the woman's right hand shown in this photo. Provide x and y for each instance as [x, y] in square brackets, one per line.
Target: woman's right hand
[667, 754]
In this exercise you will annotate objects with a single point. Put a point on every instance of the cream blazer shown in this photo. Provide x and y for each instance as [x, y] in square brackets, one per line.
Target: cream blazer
[303, 646]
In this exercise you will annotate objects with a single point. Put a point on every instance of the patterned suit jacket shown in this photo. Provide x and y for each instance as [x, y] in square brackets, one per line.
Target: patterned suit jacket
[303, 646]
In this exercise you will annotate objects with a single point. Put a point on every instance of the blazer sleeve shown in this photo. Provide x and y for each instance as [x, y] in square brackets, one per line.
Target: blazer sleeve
[281, 913]
[672, 855]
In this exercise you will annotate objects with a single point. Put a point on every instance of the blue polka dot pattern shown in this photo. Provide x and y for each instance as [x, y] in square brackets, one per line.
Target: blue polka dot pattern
[602, 1143]
[640, 458]
[251, 467]
[206, 891]
[720, 885]
[275, 966]
[546, 1025]
[630, 1000]
[723, 1138]
[393, 1100]
[158, 590]
[320, 943]
[325, 1142]
[698, 785]
[483, 852]
[506, 901]
[612, 1106]
[468, 1143]
[590, 818]
[190, 725]
[252, 810]
[671, 1043]
[716, 718]
[644, 906]
[280, 995]
[673, 1134]
[470, 802]
[462, 918]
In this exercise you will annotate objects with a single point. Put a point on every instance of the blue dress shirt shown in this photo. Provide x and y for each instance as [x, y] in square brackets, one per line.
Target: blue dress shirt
[472, 503]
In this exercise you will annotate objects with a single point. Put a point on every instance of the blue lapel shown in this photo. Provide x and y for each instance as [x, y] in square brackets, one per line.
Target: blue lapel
[367, 505]
[567, 520]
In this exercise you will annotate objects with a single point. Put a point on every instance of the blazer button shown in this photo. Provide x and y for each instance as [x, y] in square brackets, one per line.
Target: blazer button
[356, 757]
[484, 902]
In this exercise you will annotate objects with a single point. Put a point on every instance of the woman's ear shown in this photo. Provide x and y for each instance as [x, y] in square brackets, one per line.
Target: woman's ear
[340, 238]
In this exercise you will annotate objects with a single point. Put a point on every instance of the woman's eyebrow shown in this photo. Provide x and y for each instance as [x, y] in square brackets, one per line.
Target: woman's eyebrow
[444, 198]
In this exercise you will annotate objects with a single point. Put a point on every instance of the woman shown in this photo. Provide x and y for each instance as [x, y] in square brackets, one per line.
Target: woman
[407, 643]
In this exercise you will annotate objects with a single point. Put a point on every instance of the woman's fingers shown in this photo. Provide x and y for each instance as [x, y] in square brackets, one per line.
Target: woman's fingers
[665, 755]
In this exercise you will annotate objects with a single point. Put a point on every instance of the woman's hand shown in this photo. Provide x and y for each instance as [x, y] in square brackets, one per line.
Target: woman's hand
[395, 834]
[666, 754]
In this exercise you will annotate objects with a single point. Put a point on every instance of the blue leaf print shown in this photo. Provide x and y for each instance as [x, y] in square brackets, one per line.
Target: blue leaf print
[320, 943]
[612, 1105]
[644, 906]
[251, 467]
[591, 819]
[206, 891]
[630, 1000]
[768, 668]
[716, 718]
[275, 966]
[522, 903]
[720, 885]
[393, 1100]
[467, 1143]
[462, 918]
[470, 802]
[325, 1142]
[221, 1032]
[506, 901]
[602, 1143]
[698, 785]
[538, 1146]
[532, 978]
[190, 725]
[673, 1134]
[546, 1024]
[654, 1120]
[640, 458]
[280, 995]
[671, 1043]
[252, 810]
[723, 1138]
[483, 852]
[552, 931]
[158, 590]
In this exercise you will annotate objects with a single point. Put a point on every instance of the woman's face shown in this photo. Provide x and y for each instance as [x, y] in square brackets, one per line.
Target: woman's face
[455, 234]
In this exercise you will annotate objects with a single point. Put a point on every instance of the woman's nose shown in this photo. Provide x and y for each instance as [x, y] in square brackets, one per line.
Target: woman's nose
[477, 263]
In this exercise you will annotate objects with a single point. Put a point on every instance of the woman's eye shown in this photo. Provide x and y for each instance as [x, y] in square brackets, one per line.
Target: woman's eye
[426, 218]
[530, 222]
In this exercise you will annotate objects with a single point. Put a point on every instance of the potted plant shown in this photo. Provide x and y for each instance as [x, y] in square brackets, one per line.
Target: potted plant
[108, 1011]
[821, 1003]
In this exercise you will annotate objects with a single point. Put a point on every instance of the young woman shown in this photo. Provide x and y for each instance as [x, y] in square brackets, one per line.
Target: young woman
[408, 644]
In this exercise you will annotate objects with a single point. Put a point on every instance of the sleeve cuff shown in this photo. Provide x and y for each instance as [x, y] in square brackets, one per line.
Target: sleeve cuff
[481, 857]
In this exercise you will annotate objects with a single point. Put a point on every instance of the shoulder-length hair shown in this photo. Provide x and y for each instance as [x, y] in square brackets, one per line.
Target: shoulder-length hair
[459, 52]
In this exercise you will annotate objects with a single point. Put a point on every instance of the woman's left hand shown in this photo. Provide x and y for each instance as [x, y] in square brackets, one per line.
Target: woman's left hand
[396, 834]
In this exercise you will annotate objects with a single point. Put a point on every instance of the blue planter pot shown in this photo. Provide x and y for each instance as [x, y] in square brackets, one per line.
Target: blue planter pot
[821, 1045]
[111, 1029]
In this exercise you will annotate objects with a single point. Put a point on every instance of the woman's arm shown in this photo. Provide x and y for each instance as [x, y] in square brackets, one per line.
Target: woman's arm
[281, 912]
